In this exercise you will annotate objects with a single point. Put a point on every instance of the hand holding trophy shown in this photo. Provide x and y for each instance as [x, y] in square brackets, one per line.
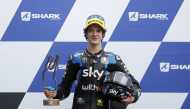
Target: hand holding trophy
[50, 82]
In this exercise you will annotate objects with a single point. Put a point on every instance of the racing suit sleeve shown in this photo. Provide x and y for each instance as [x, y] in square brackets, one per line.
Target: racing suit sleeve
[120, 66]
[63, 90]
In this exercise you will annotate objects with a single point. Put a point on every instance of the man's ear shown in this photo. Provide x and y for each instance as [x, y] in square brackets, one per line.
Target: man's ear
[85, 35]
[103, 35]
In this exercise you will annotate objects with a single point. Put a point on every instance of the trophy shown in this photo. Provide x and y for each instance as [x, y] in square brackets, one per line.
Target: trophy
[49, 80]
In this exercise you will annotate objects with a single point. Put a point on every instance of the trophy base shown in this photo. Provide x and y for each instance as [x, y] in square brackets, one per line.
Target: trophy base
[51, 102]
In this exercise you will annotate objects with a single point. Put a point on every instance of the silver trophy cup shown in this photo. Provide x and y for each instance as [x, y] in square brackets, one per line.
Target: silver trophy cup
[49, 80]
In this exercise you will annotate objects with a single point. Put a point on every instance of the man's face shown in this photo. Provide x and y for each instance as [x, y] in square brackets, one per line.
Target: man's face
[94, 34]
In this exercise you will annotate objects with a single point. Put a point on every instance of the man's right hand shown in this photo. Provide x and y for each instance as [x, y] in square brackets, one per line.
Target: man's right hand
[49, 94]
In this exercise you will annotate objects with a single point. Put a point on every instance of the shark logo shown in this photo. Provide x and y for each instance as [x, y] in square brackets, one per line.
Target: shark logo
[164, 67]
[25, 16]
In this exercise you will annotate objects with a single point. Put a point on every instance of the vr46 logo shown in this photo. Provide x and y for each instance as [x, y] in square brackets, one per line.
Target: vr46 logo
[90, 73]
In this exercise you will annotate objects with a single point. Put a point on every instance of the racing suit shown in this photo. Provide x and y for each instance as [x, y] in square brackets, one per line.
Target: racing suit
[89, 70]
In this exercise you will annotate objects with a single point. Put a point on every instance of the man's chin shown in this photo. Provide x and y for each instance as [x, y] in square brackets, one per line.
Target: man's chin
[94, 43]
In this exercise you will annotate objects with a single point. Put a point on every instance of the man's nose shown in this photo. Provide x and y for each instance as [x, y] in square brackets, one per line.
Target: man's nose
[94, 32]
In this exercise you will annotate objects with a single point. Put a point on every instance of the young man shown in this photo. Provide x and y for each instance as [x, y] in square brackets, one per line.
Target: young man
[89, 67]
